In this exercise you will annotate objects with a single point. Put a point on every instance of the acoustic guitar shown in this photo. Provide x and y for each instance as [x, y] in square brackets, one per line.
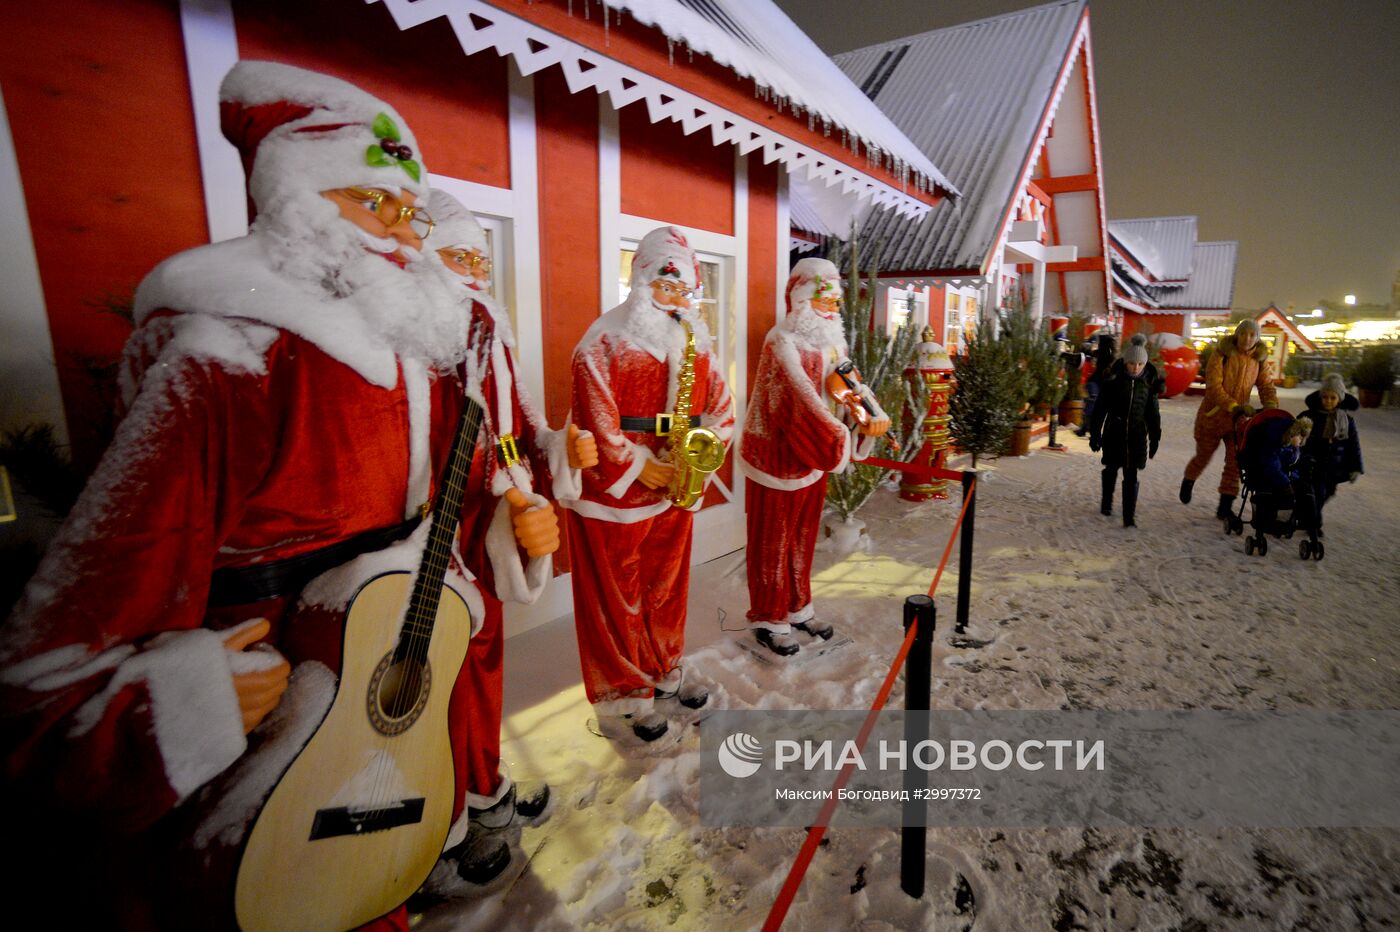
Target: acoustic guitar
[357, 821]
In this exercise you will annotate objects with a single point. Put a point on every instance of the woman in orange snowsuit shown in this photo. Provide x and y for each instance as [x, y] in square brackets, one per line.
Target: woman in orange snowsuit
[1238, 365]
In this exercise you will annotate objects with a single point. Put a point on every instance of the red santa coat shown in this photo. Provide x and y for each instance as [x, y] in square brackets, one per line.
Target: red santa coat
[246, 443]
[543, 466]
[630, 546]
[791, 440]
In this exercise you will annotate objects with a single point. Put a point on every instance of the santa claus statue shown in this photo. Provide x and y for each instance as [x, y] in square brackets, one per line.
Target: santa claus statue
[517, 454]
[644, 378]
[292, 396]
[793, 436]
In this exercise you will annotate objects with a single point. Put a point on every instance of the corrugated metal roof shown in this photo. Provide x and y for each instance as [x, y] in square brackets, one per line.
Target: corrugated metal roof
[971, 97]
[759, 41]
[1162, 245]
[1212, 283]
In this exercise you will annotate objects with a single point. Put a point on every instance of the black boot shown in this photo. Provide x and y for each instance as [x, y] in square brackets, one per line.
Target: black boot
[781, 644]
[1130, 490]
[1185, 493]
[1109, 478]
[1227, 506]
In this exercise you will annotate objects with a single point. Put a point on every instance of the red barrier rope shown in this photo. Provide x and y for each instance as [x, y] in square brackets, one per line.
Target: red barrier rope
[931, 472]
[798, 871]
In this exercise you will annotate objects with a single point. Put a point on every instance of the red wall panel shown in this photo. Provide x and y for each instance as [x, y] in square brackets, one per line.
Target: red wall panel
[763, 257]
[570, 289]
[675, 178]
[456, 104]
[98, 104]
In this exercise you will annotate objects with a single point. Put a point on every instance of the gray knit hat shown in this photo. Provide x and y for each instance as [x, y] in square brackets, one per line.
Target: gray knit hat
[1248, 324]
[1332, 382]
[1136, 350]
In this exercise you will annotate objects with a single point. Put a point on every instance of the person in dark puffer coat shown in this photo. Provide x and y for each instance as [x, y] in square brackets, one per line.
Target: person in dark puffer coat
[1333, 446]
[1127, 426]
[1103, 354]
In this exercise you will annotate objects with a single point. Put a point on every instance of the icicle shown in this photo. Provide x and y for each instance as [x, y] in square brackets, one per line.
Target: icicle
[671, 51]
[586, 10]
[571, 8]
[606, 17]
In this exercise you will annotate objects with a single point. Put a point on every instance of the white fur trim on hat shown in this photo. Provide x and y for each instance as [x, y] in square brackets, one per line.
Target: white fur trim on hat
[665, 253]
[456, 227]
[336, 145]
[807, 276]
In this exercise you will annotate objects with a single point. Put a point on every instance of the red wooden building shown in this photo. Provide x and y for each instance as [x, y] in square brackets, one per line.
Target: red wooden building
[571, 127]
[1006, 107]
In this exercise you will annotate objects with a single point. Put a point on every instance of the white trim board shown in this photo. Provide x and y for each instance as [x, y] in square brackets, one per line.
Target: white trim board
[479, 25]
[29, 387]
[211, 49]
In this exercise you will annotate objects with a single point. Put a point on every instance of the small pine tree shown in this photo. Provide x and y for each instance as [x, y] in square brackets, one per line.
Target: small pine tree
[881, 361]
[983, 407]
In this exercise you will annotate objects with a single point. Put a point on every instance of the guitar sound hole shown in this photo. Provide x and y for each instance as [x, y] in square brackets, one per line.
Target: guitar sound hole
[398, 693]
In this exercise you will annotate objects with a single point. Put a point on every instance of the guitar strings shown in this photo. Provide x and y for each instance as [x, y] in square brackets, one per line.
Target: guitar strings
[422, 612]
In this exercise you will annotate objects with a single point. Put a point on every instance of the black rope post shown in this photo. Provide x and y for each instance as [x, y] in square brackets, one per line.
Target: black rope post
[969, 490]
[918, 690]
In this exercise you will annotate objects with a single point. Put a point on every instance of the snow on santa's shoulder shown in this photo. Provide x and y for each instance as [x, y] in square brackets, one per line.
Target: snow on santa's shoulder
[236, 279]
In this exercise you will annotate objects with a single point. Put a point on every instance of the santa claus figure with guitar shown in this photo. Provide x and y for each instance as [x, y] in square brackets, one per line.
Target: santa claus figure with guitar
[809, 415]
[232, 687]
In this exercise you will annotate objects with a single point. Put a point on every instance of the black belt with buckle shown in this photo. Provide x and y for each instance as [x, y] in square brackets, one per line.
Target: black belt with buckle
[241, 585]
[659, 424]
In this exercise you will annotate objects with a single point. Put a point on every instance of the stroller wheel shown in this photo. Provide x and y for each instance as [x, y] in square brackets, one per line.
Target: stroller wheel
[1317, 551]
[1304, 550]
[1263, 545]
[1249, 546]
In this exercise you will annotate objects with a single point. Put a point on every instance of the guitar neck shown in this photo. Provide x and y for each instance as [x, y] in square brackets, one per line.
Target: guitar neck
[447, 507]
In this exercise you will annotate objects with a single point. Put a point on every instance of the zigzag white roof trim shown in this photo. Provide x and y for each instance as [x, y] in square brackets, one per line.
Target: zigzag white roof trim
[479, 26]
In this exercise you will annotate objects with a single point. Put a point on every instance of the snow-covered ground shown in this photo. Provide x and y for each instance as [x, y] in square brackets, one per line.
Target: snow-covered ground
[1069, 610]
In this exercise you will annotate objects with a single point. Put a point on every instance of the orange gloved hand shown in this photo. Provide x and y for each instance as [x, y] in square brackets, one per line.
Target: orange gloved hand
[656, 475]
[536, 527]
[876, 427]
[258, 690]
[583, 449]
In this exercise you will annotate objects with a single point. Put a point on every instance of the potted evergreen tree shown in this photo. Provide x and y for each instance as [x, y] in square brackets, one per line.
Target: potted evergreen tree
[984, 405]
[1374, 374]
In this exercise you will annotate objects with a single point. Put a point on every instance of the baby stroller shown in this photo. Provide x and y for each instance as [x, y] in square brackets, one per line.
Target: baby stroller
[1268, 491]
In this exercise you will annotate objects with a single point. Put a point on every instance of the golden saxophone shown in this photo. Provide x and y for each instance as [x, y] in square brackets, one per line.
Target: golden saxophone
[695, 451]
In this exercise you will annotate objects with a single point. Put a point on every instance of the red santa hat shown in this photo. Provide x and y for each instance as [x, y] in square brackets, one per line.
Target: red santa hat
[299, 131]
[665, 254]
[810, 278]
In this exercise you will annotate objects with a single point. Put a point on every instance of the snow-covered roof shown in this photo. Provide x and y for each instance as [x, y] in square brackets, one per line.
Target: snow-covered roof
[1127, 287]
[757, 40]
[754, 39]
[1161, 245]
[973, 98]
[1212, 282]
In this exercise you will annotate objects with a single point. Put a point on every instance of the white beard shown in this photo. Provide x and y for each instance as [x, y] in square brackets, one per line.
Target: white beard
[813, 330]
[652, 325]
[412, 309]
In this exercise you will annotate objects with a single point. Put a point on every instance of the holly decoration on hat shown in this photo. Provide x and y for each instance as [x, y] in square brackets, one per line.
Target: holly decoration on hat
[670, 269]
[390, 150]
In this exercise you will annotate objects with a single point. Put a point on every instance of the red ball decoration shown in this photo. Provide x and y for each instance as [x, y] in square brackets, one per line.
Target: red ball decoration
[1180, 362]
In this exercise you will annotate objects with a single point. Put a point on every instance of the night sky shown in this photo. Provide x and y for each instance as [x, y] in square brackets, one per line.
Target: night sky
[1276, 122]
